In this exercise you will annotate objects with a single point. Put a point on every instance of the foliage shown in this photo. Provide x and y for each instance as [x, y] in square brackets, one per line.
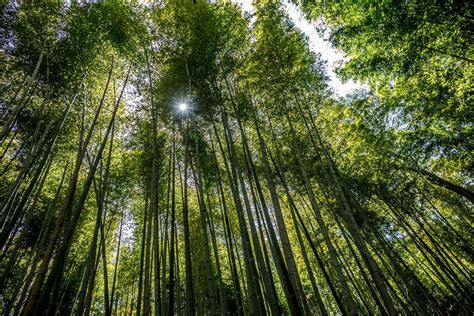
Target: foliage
[268, 194]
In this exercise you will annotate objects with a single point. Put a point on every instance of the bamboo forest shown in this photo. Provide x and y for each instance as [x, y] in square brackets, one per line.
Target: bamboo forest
[202, 157]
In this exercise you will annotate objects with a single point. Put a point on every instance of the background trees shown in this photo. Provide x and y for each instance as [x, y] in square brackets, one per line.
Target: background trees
[266, 194]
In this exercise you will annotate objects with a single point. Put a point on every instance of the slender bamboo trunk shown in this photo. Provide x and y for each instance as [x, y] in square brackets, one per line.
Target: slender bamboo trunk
[40, 244]
[190, 307]
[20, 103]
[12, 158]
[313, 247]
[100, 196]
[203, 217]
[222, 296]
[117, 258]
[16, 94]
[431, 258]
[348, 300]
[294, 288]
[142, 256]
[148, 262]
[438, 181]
[105, 269]
[9, 214]
[165, 242]
[41, 274]
[228, 237]
[256, 304]
[153, 205]
[353, 227]
[173, 220]
[320, 303]
[67, 236]
[19, 210]
[90, 287]
[178, 278]
[90, 265]
[282, 270]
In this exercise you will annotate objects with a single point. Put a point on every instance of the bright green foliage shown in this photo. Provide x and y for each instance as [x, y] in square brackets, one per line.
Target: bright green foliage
[417, 58]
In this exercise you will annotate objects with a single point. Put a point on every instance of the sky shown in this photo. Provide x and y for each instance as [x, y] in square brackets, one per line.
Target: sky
[317, 43]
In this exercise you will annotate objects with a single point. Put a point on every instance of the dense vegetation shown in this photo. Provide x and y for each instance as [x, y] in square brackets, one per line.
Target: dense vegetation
[187, 158]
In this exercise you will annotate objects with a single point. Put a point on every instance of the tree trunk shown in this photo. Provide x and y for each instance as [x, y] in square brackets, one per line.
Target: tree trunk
[190, 307]
[256, 304]
[117, 257]
[228, 235]
[19, 104]
[203, 217]
[142, 257]
[62, 252]
[348, 300]
[173, 220]
[436, 180]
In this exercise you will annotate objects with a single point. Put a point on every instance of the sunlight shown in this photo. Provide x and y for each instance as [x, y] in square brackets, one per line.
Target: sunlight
[182, 107]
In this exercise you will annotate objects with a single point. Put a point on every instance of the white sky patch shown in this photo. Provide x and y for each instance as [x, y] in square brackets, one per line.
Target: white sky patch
[128, 228]
[318, 43]
[246, 5]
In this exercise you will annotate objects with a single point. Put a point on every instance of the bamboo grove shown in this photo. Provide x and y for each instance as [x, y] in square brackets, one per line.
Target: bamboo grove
[187, 158]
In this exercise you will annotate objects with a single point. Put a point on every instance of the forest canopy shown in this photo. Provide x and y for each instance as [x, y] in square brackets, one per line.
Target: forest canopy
[192, 158]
